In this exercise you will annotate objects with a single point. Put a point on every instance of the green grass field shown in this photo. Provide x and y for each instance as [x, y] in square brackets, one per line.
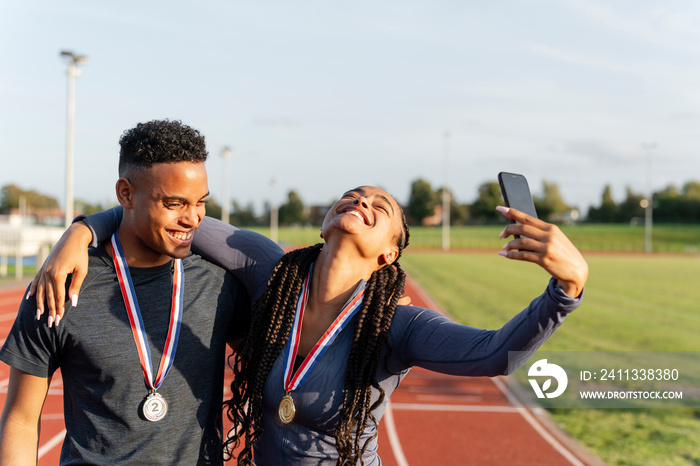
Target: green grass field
[620, 238]
[10, 279]
[632, 302]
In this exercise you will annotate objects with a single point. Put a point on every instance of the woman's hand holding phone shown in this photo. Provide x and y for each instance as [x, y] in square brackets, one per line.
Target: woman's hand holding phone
[546, 245]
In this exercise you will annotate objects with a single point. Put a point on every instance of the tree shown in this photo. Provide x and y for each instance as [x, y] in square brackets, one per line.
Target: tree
[422, 201]
[458, 213]
[483, 210]
[671, 205]
[243, 216]
[607, 212]
[691, 190]
[669, 192]
[551, 203]
[631, 207]
[678, 206]
[88, 208]
[213, 208]
[292, 211]
[10, 195]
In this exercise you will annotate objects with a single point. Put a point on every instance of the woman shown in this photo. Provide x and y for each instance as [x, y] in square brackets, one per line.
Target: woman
[328, 343]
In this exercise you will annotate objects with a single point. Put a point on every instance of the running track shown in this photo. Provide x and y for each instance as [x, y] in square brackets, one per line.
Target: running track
[433, 419]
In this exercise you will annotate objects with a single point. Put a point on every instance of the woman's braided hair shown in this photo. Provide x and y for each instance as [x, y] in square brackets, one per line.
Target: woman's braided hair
[271, 326]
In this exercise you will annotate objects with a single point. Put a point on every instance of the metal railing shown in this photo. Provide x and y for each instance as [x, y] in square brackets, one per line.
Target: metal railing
[20, 242]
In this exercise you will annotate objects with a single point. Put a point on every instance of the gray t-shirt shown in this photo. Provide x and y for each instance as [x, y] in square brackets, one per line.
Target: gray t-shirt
[103, 381]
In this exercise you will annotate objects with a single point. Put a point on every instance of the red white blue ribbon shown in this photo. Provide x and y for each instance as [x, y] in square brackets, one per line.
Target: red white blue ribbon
[292, 380]
[137, 327]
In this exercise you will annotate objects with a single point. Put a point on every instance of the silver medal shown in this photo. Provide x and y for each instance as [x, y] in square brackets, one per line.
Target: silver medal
[154, 407]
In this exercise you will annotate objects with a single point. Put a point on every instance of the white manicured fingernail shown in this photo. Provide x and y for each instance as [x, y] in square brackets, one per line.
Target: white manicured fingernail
[58, 319]
[74, 300]
[38, 314]
[503, 253]
[501, 209]
[50, 321]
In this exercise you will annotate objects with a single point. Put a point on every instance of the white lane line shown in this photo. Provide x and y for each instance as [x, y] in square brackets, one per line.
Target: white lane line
[438, 389]
[430, 303]
[538, 427]
[442, 407]
[52, 391]
[393, 435]
[8, 317]
[519, 407]
[48, 446]
[12, 301]
[449, 399]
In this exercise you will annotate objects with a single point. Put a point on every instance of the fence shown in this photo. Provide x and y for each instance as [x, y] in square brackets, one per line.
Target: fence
[20, 242]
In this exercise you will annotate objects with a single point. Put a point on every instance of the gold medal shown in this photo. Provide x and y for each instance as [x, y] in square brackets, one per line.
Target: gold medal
[294, 376]
[287, 409]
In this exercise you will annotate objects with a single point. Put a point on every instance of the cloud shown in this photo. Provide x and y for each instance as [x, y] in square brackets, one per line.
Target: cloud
[572, 57]
[279, 122]
[685, 116]
[656, 25]
[599, 151]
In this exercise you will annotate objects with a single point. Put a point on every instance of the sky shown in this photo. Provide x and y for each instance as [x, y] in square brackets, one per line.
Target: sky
[324, 96]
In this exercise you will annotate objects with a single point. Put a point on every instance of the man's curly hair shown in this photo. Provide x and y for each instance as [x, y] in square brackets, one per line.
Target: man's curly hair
[160, 141]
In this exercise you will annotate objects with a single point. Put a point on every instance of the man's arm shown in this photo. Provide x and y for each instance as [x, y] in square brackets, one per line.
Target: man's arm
[19, 424]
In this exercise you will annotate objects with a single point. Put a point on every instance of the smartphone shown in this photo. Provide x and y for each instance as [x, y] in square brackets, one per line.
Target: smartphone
[516, 193]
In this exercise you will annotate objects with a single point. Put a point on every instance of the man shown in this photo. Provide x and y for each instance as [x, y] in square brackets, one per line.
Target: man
[142, 357]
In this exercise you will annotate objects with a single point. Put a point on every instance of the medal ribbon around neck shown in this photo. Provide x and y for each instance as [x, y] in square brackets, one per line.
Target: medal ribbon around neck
[293, 381]
[137, 327]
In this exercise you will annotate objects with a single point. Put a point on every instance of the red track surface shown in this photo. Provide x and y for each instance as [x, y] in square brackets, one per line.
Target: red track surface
[52, 427]
[437, 419]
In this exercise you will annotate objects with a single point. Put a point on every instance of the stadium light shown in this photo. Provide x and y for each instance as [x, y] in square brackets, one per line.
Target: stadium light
[225, 154]
[446, 196]
[649, 207]
[274, 212]
[73, 71]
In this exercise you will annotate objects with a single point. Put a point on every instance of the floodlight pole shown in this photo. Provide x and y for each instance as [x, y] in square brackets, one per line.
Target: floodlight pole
[73, 62]
[649, 209]
[225, 202]
[274, 214]
[446, 197]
